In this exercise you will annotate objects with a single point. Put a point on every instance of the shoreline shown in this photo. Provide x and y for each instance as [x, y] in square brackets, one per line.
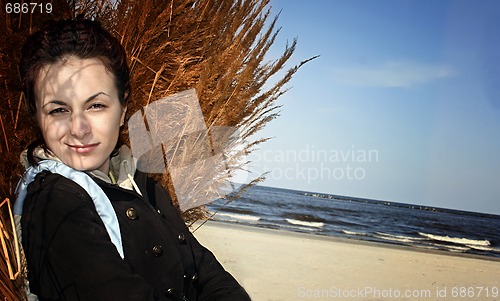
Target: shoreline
[338, 239]
[282, 265]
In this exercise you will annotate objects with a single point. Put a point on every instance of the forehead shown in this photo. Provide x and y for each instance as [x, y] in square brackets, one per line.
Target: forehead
[72, 76]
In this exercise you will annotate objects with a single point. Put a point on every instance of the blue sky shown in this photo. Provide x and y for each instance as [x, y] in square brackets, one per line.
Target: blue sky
[402, 105]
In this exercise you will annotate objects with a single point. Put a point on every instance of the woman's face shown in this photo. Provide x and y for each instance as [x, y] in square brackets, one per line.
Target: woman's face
[79, 112]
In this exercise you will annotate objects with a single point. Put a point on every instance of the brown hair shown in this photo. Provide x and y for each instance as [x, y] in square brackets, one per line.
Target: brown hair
[84, 39]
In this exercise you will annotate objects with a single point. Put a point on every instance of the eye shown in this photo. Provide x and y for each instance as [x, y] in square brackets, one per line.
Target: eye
[58, 111]
[97, 106]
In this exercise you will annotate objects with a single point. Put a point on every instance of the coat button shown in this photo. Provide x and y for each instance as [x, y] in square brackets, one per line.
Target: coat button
[131, 213]
[157, 251]
[171, 291]
[182, 239]
[195, 277]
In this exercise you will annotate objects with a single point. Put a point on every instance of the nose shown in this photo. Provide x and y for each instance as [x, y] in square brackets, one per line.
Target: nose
[80, 126]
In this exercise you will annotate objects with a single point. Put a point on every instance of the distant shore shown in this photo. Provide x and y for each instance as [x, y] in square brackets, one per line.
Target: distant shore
[281, 265]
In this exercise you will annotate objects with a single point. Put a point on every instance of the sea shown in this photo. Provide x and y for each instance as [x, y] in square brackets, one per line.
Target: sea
[364, 219]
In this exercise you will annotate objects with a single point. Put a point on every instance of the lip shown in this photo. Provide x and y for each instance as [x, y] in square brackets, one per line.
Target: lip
[83, 149]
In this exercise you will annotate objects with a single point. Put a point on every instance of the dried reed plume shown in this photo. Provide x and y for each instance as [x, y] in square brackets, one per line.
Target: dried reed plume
[217, 47]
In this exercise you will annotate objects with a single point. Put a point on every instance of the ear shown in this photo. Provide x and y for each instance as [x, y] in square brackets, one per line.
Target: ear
[122, 118]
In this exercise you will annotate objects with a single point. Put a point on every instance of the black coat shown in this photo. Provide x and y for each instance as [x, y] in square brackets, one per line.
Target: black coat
[70, 255]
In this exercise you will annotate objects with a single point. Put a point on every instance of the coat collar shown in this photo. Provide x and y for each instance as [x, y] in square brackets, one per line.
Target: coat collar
[122, 167]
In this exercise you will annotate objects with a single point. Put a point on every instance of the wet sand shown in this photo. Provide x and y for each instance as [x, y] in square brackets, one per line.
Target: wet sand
[281, 265]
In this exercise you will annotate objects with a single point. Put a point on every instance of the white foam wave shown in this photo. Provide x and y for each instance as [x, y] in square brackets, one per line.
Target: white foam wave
[457, 240]
[305, 229]
[353, 233]
[394, 237]
[304, 223]
[451, 248]
[244, 217]
[482, 248]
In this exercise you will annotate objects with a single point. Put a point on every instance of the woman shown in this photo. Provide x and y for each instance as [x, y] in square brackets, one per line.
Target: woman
[93, 228]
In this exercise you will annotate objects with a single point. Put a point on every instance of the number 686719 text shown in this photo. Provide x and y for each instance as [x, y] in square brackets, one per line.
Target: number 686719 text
[31, 7]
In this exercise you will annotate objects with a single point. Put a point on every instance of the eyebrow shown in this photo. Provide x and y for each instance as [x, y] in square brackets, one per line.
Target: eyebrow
[60, 102]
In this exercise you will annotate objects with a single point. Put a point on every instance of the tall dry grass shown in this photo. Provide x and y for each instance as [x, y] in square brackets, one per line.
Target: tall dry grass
[16, 129]
[217, 47]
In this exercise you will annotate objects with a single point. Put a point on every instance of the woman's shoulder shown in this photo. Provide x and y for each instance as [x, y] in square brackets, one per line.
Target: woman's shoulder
[51, 180]
[52, 199]
[55, 187]
[155, 190]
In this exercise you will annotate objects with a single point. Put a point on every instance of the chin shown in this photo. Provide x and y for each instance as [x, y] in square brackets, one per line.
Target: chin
[86, 166]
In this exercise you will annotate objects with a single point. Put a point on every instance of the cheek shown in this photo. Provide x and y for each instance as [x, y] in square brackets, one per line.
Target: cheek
[109, 126]
[117, 121]
[53, 130]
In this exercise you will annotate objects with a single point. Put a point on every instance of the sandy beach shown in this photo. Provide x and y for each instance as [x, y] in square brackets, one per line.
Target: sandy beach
[281, 265]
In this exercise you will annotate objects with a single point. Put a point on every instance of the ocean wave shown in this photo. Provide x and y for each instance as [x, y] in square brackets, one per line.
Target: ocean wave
[456, 240]
[244, 217]
[397, 238]
[304, 223]
[452, 248]
[353, 233]
[482, 248]
[292, 227]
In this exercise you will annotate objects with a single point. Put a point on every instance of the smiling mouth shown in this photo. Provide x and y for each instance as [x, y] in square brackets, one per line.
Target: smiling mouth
[83, 149]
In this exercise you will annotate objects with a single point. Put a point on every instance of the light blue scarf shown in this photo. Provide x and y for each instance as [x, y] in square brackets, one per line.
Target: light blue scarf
[101, 201]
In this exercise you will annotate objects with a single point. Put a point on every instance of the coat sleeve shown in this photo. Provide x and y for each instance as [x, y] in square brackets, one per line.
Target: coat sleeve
[69, 253]
[213, 281]
[215, 284]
